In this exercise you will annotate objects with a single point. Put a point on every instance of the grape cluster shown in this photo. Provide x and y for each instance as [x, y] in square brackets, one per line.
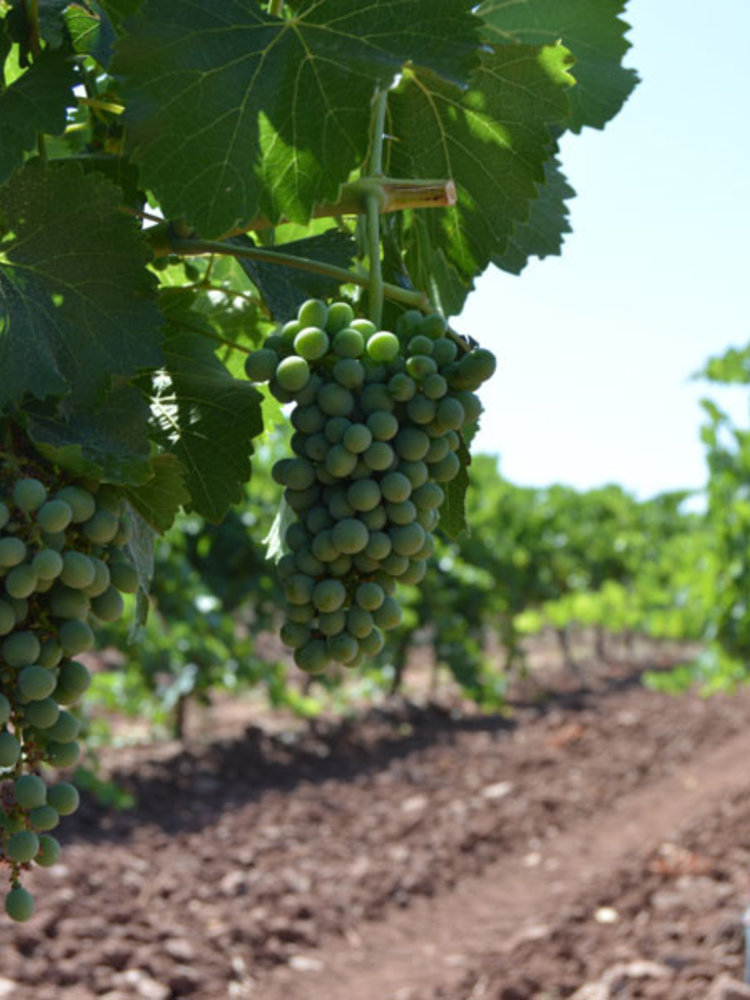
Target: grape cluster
[378, 418]
[61, 558]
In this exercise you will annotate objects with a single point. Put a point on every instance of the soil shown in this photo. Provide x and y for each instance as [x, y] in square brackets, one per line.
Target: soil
[590, 844]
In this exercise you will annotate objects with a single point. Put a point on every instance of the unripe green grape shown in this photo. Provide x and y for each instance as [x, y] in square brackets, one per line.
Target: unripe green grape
[313, 312]
[293, 373]
[453, 440]
[386, 581]
[407, 539]
[72, 680]
[328, 595]
[42, 714]
[309, 392]
[428, 496]
[308, 564]
[294, 634]
[12, 552]
[339, 566]
[374, 519]
[401, 387]
[357, 438]
[474, 368]
[300, 614]
[363, 495]
[102, 527]
[340, 462]
[375, 399]
[22, 846]
[336, 428]
[379, 456]
[364, 564]
[401, 513]
[261, 365]
[311, 343]
[29, 494]
[312, 657]
[421, 410]
[411, 444]
[80, 501]
[420, 344]
[301, 500]
[62, 754]
[342, 647]
[42, 586]
[427, 550]
[19, 904]
[68, 603]
[316, 448]
[35, 682]
[324, 548]
[415, 572]
[47, 564]
[428, 518]
[334, 400]
[416, 472]
[432, 326]
[409, 322]
[444, 350]
[383, 425]
[288, 332]
[49, 851]
[446, 469]
[382, 346]
[359, 622]
[308, 419]
[108, 607]
[372, 643]
[120, 574]
[300, 473]
[75, 636]
[64, 798]
[65, 729]
[437, 451]
[78, 570]
[378, 546]
[350, 535]
[395, 564]
[349, 373]
[5, 709]
[296, 537]
[44, 818]
[449, 414]
[280, 469]
[54, 515]
[51, 653]
[318, 519]
[369, 595]
[29, 791]
[340, 315]
[21, 581]
[332, 622]
[20, 649]
[471, 404]
[7, 618]
[419, 366]
[388, 615]
[364, 326]
[298, 589]
[395, 487]
[434, 386]
[349, 343]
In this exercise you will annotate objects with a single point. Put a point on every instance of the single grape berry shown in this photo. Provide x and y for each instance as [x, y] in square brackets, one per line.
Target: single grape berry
[19, 904]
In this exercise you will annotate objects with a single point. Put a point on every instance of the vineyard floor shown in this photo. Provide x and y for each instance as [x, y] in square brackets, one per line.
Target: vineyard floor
[593, 845]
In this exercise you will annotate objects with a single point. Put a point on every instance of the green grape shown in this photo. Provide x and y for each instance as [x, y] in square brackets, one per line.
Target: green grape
[334, 400]
[7, 618]
[311, 343]
[44, 818]
[449, 414]
[416, 472]
[318, 519]
[395, 487]
[428, 496]
[49, 851]
[349, 343]
[332, 622]
[20, 649]
[72, 680]
[444, 350]
[336, 428]
[411, 444]
[328, 595]
[434, 386]
[401, 513]
[21, 581]
[300, 473]
[394, 563]
[12, 552]
[43, 713]
[51, 654]
[308, 564]
[446, 469]
[35, 682]
[19, 904]
[401, 387]
[474, 368]
[80, 501]
[407, 539]
[102, 577]
[340, 566]
[357, 438]
[375, 399]
[301, 500]
[54, 515]
[342, 647]
[296, 537]
[374, 519]
[261, 365]
[29, 494]
[419, 366]
[68, 603]
[386, 581]
[78, 570]
[437, 451]
[75, 636]
[300, 614]
[363, 495]
[349, 373]
[108, 607]
[364, 326]
[420, 344]
[414, 573]
[293, 373]
[470, 403]
[324, 548]
[65, 730]
[340, 315]
[428, 549]
[379, 456]
[102, 527]
[350, 535]
[369, 596]
[294, 634]
[47, 564]
[378, 546]
[308, 419]
[421, 410]
[313, 312]
[433, 326]
[383, 425]
[63, 754]
[316, 448]
[288, 332]
[5, 709]
[298, 589]
[359, 622]
[383, 346]
[340, 462]
[309, 392]
[29, 791]
[388, 615]
[312, 657]
[372, 643]
[22, 846]
[279, 470]
[364, 563]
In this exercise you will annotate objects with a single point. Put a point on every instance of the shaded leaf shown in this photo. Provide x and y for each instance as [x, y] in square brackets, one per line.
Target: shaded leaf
[453, 510]
[77, 304]
[159, 500]
[91, 31]
[234, 113]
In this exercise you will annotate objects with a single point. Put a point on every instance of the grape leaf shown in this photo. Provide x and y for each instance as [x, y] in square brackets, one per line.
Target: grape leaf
[36, 102]
[159, 499]
[77, 305]
[206, 417]
[48, 25]
[493, 140]
[91, 31]
[284, 289]
[453, 509]
[109, 445]
[431, 271]
[233, 112]
[118, 10]
[591, 29]
[542, 234]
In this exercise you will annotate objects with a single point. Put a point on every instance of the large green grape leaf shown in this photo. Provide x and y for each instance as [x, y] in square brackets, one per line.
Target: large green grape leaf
[284, 289]
[205, 417]
[36, 102]
[542, 234]
[453, 509]
[91, 31]
[493, 140]
[233, 112]
[159, 499]
[432, 272]
[77, 305]
[593, 31]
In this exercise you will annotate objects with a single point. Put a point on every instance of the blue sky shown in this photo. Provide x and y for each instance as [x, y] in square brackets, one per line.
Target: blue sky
[597, 347]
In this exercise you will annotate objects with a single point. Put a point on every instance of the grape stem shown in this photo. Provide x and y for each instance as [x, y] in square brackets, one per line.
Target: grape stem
[196, 248]
[373, 200]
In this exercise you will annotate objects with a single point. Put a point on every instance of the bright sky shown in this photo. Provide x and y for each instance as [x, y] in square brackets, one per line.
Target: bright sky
[596, 347]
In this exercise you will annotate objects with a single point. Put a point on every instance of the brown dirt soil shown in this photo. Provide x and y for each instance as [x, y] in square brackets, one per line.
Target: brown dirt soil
[594, 845]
